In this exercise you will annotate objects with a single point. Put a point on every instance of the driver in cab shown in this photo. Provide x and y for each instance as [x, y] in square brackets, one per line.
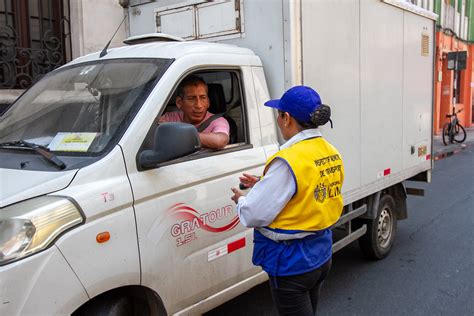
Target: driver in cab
[192, 101]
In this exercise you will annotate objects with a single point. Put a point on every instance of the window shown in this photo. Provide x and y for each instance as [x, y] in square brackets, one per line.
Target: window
[457, 87]
[94, 101]
[34, 39]
[225, 96]
[230, 103]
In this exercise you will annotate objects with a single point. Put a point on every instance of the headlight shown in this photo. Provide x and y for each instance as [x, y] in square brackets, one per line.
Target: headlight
[31, 226]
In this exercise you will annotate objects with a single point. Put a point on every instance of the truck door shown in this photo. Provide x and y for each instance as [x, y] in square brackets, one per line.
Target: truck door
[191, 242]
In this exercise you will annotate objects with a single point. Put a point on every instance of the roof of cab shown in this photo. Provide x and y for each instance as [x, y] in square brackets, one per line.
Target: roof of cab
[167, 50]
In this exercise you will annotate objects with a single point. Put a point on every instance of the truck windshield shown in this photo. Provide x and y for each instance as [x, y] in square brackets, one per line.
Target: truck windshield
[80, 109]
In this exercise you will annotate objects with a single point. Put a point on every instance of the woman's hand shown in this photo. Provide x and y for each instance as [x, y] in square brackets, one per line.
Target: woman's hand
[248, 180]
[237, 195]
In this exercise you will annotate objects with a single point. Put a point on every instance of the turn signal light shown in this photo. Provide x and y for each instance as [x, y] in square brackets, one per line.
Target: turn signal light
[102, 237]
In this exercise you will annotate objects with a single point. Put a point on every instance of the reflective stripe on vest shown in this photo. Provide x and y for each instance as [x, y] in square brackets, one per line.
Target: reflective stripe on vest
[276, 236]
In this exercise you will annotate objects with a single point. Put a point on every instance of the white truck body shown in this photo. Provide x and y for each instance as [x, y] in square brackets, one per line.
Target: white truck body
[365, 58]
[175, 239]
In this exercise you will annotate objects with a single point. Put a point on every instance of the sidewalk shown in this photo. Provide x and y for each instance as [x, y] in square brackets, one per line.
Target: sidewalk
[441, 151]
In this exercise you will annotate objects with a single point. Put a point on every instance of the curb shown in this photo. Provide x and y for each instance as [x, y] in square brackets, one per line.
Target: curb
[449, 153]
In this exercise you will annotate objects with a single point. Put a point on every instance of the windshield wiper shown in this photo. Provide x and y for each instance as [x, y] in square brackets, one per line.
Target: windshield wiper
[43, 151]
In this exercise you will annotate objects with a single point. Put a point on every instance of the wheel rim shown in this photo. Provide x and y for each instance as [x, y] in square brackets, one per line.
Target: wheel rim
[384, 228]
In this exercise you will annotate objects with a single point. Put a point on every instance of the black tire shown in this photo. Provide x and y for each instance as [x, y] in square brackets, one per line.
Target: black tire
[446, 134]
[107, 305]
[129, 301]
[377, 242]
[459, 133]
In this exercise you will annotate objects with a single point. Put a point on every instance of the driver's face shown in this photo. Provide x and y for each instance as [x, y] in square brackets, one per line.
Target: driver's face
[194, 103]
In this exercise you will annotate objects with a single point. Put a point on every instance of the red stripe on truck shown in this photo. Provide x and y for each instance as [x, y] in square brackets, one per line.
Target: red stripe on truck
[386, 172]
[233, 246]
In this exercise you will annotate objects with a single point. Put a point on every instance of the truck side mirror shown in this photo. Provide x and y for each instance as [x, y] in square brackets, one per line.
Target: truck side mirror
[172, 141]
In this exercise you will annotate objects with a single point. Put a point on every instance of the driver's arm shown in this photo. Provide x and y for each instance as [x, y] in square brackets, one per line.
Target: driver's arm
[216, 135]
[214, 140]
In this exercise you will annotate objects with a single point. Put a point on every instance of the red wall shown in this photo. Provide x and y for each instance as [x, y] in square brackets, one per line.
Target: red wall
[444, 88]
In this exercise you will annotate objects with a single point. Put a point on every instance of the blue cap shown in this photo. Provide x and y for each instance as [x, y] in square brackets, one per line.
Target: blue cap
[299, 101]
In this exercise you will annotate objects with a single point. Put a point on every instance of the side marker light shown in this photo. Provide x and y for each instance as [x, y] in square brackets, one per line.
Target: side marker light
[102, 237]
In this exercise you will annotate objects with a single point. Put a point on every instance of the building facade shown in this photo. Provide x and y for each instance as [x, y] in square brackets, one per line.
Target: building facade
[453, 87]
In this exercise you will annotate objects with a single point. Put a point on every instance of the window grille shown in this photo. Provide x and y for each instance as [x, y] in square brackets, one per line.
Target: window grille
[34, 39]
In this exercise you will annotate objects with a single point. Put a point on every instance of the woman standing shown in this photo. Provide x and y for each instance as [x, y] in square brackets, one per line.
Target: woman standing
[294, 204]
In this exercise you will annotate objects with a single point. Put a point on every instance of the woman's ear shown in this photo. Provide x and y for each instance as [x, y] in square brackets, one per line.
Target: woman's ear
[286, 119]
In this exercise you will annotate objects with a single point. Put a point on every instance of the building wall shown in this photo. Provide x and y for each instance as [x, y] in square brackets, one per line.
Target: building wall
[93, 23]
[444, 82]
[451, 38]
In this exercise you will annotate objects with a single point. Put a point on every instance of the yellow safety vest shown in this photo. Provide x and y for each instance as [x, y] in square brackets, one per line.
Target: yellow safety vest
[319, 173]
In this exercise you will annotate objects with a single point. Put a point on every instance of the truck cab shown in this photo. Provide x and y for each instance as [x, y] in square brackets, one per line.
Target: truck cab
[105, 219]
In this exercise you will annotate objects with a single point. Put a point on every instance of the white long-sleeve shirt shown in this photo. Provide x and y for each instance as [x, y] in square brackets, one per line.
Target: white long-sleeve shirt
[270, 195]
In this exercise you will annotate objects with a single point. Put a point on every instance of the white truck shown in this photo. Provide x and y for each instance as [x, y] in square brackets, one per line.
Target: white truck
[104, 211]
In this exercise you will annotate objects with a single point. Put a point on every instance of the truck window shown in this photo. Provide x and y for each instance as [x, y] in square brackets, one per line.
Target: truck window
[225, 96]
[83, 108]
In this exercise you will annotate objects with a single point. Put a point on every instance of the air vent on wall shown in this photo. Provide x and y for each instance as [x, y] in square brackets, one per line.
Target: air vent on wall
[425, 44]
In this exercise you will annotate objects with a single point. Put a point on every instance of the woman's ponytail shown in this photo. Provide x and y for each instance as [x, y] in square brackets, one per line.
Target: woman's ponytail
[321, 115]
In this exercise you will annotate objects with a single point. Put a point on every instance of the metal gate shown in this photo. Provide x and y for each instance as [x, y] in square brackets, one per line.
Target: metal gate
[34, 39]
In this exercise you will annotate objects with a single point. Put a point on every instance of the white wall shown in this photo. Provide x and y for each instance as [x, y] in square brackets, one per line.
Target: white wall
[93, 23]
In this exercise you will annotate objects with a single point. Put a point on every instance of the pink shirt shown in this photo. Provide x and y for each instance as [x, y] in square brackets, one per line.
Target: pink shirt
[219, 125]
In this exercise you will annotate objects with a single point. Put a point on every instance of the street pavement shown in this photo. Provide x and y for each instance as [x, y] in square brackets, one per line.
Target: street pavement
[430, 270]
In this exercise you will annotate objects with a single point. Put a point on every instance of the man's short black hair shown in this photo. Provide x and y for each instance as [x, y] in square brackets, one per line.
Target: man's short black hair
[191, 80]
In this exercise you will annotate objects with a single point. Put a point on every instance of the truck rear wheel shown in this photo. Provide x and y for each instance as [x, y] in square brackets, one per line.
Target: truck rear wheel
[377, 242]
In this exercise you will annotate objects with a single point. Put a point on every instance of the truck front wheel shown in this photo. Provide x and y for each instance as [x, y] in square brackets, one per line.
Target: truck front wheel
[107, 305]
[377, 242]
[126, 301]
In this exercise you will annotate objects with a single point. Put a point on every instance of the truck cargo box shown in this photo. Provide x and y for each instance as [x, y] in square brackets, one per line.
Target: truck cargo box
[371, 60]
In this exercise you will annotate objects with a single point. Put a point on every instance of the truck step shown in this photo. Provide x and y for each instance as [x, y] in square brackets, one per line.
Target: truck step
[349, 238]
[351, 215]
[415, 191]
